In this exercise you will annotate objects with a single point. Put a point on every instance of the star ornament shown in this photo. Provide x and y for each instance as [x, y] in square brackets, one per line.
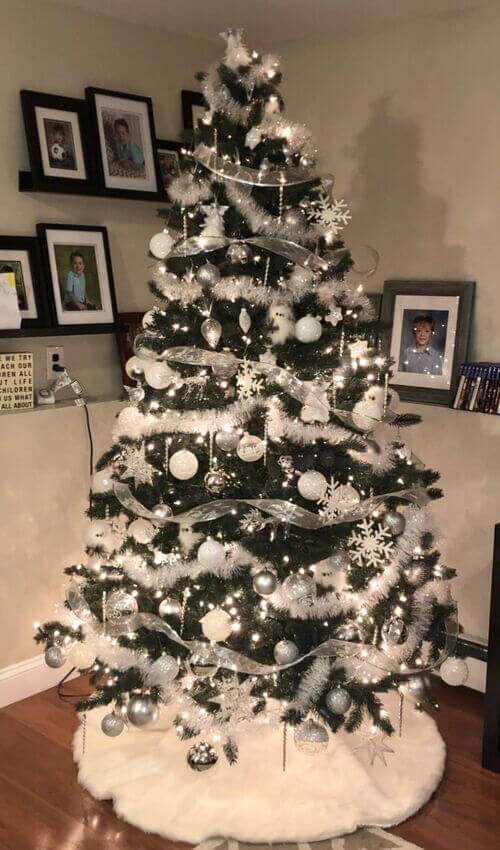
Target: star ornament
[235, 701]
[375, 746]
[137, 466]
[358, 349]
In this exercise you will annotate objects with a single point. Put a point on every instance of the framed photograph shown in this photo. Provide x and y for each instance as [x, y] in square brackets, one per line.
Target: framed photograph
[125, 132]
[20, 256]
[78, 266]
[429, 336]
[130, 326]
[193, 108]
[168, 159]
[59, 139]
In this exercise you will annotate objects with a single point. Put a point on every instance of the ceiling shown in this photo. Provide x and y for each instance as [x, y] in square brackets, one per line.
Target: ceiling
[270, 21]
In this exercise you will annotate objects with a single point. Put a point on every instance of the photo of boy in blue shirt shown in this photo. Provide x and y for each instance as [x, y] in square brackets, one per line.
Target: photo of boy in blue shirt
[75, 288]
[129, 154]
[421, 357]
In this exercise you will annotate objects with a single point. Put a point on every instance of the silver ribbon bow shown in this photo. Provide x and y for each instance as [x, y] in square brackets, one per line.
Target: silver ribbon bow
[229, 170]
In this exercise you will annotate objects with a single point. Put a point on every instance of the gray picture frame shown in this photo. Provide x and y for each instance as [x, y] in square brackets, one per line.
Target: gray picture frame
[426, 291]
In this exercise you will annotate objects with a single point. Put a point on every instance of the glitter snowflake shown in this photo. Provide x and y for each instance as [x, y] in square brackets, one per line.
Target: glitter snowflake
[235, 700]
[137, 467]
[371, 542]
[337, 499]
[248, 381]
[329, 213]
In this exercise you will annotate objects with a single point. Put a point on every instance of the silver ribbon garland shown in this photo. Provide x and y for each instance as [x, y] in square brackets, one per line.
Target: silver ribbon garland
[222, 656]
[279, 509]
[229, 170]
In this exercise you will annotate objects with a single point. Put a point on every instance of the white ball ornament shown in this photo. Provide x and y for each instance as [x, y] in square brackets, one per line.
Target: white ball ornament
[142, 531]
[136, 366]
[454, 671]
[285, 652]
[312, 485]
[308, 329]
[81, 655]
[183, 465]
[211, 554]
[216, 625]
[250, 448]
[158, 375]
[102, 481]
[160, 244]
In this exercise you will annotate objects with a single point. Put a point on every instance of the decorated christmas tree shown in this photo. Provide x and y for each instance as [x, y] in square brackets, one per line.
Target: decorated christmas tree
[259, 548]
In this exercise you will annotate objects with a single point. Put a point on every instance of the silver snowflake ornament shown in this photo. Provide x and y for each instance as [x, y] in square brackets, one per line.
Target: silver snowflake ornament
[337, 499]
[371, 544]
[136, 466]
[235, 700]
[375, 746]
[331, 214]
[248, 381]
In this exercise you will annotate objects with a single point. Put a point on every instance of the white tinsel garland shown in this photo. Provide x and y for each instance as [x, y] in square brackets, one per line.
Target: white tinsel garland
[188, 190]
[261, 221]
[312, 685]
[220, 100]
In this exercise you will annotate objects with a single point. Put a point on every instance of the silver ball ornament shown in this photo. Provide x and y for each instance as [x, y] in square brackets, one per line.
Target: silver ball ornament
[216, 480]
[208, 274]
[201, 756]
[112, 725]
[135, 393]
[454, 671]
[227, 440]
[226, 366]
[339, 560]
[238, 252]
[55, 656]
[201, 667]
[310, 737]
[211, 331]
[265, 583]
[142, 711]
[312, 485]
[170, 607]
[121, 604]
[338, 700]
[395, 522]
[285, 652]
[298, 586]
[161, 511]
[158, 375]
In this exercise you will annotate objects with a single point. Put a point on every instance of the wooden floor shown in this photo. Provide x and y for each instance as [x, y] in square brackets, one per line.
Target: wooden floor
[43, 808]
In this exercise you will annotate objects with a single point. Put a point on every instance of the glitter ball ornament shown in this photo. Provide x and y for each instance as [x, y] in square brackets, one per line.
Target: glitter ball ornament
[250, 448]
[121, 604]
[170, 607]
[308, 329]
[416, 573]
[54, 656]
[81, 655]
[112, 725]
[102, 481]
[310, 737]
[293, 218]
[160, 244]
[135, 394]
[285, 652]
[227, 440]
[216, 480]
[201, 667]
[211, 555]
[338, 700]
[298, 586]
[142, 531]
[312, 485]
[394, 631]
[158, 375]
[201, 756]
[238, 252]
[226, 366]
[208, 274]
[163, 670]
[216, 624]
[454, 671]
[141, 711]
[395, 522]
[339, 560]
[265, 583]
[161, 512]
[183, 464]
[211, 331]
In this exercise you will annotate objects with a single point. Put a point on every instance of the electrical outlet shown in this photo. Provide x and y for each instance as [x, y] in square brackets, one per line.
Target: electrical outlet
[55, 357]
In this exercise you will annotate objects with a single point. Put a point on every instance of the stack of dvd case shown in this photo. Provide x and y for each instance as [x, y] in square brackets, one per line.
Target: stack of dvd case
[479, 388]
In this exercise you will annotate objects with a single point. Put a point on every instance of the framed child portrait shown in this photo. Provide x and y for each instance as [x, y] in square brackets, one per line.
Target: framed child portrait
[168, 159]
[429, 333]
[20, 257]
[78, 265]
[125, 131]
[193, 108]
[59, 140]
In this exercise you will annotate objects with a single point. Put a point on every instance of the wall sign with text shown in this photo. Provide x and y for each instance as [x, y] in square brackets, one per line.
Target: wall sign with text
[16, 381]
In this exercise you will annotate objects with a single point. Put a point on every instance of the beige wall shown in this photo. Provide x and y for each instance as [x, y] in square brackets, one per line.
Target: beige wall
[407, 119]
[44, 477]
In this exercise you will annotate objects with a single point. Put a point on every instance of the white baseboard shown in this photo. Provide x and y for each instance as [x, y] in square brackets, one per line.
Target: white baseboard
[27, 678]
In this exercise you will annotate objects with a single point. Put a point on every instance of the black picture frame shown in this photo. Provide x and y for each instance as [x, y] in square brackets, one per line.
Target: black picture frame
[116, 185]
[36, 294]
[190, 99]
[457, 328]
[108, 320]
[44, 173]
[170, 147]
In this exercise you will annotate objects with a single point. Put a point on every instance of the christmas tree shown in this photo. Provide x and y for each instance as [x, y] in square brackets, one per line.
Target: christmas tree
[258, 544]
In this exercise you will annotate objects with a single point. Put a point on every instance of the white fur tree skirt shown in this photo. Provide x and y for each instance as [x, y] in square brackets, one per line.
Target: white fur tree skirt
[318, 796]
